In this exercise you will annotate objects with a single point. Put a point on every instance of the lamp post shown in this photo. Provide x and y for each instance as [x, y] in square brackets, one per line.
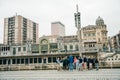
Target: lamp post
[77, 16]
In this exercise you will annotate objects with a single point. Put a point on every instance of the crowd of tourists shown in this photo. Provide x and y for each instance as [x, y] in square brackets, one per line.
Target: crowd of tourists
[79, 63]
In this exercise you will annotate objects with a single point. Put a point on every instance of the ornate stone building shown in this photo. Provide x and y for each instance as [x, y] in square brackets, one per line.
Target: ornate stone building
[94, 37]
[48, 44]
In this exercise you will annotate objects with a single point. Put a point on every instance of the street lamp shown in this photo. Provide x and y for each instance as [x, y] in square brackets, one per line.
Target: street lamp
[77, 16]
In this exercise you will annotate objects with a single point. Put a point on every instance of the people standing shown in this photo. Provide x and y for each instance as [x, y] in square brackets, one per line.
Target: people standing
[88, 62]
[70, 62]
[65, 63]
[85, 62]
[80, 63]
[58, 62]
[77, 64]
[96, 64]
[75, 59]
[91, 63]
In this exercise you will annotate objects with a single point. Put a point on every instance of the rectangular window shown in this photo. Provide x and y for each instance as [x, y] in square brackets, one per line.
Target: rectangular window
[22, 61]
[4, 61]
[13, 61]
[54, 59]
[71, 46]
[49, 60]
[35, 60]
[19, 49]
[39, 60]
[65, 47]
[14, 51]
[89, 34]
[24, 48]
[26, 61]
[90, 45]
[93, 34]
[31, 60]
[53, 46]
[18, 61]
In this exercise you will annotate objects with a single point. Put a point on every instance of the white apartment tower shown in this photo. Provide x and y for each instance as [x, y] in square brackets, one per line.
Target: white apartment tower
[20, 30]
[57, 28]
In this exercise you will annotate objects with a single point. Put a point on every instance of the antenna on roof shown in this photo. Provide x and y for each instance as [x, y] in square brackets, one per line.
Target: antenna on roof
[77, 7]
[16, 13]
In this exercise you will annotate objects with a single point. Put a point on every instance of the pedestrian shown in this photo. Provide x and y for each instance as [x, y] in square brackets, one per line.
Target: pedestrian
[58, 62]
[80, 63]
[65, 63]
[91, 63]
[88, 62]
[96, 64]
[85, 62]
[61, 63]
[77, 64]
[70, 62]
[75, 59]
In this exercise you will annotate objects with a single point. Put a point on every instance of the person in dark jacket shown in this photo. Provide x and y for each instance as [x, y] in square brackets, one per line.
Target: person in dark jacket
[96, 64]
[85, 62]
[71, 62]
[80, 63]
[88, 63]
[65, 63]
[93, 64]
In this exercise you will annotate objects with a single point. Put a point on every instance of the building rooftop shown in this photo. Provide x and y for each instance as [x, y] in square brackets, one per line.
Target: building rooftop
[58, 22]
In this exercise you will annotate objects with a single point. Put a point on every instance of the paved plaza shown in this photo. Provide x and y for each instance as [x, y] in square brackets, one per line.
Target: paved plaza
[102, 74]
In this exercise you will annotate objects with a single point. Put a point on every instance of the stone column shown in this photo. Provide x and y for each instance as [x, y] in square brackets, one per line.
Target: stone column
[16, 61]
[51, 59]
[6, 61]
[11, 61]
[20, 60]
[33, 60]
[46, 59]
[42, 59]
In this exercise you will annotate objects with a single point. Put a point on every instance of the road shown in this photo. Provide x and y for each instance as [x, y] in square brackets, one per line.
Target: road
[102, 74]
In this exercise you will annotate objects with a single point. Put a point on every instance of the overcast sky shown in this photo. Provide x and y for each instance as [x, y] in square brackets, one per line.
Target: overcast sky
[44, 12]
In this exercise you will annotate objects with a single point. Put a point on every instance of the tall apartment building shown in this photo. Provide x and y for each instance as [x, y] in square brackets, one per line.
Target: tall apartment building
[57, 28]
[20, 30]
